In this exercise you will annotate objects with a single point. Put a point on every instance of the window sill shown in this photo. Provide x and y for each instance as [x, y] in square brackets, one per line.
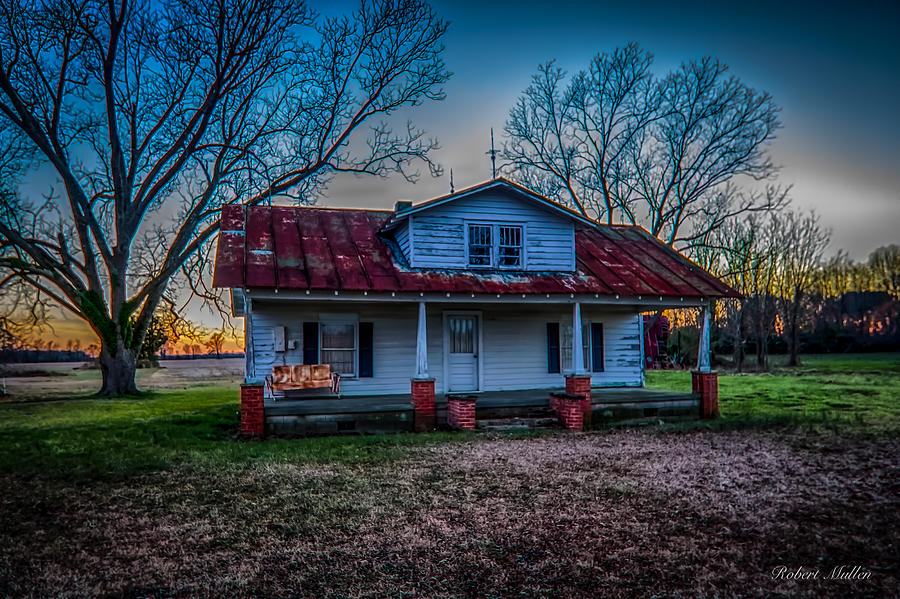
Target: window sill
[483, 267]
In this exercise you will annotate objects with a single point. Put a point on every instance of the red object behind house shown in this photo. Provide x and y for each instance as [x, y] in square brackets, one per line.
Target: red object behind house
[656, 336]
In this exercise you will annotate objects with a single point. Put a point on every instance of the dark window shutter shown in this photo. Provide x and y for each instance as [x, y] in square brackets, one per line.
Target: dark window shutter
[597, 346]
[310, 342]
[366, 354]
[552, 347]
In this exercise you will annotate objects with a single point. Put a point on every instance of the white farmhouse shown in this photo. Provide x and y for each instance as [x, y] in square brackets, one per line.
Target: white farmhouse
[491, 297]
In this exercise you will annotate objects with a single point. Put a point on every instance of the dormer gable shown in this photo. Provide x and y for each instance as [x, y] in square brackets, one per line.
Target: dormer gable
[496, 226]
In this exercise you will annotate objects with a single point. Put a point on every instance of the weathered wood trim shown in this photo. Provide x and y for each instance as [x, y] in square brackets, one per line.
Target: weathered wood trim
[640, 318]
[249, 354]
[638, 303]
[238, 302]
[411, 232]
[494, 184]
[574, 257]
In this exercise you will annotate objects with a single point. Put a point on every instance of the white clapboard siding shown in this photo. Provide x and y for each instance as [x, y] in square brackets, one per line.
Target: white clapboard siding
[622, 348]
[394, 341]
[402, 237]
[515, 349]
[513, 355]
[439, 237]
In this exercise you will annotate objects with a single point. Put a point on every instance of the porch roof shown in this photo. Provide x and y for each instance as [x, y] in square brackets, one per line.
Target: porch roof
[319, 249]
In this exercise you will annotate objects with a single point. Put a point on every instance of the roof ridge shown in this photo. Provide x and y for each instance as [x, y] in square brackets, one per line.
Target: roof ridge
[333, 208]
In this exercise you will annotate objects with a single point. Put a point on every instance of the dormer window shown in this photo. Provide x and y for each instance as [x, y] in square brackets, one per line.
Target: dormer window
[510, 246]
[495, 245]
[480, 245]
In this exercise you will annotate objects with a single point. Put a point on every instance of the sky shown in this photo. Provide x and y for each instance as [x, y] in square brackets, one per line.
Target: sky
[833, 68]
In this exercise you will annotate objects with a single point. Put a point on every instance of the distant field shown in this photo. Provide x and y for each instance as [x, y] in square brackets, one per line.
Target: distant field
[71, 380]
[156, 497]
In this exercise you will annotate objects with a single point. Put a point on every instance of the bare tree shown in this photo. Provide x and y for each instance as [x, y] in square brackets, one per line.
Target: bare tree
[151, 114]
[621, 145]
[730, 255]
[745, 253]
[884, 264]
[215, 343]
[803, 242]
[571, 139]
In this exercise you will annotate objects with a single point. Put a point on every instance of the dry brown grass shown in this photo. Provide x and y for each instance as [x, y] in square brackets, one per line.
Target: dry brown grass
[619, 513]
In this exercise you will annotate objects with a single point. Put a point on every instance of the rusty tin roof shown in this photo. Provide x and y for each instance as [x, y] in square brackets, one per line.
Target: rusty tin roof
[320, 249]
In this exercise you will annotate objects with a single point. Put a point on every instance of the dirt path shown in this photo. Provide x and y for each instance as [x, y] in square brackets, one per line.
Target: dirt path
[620, 514]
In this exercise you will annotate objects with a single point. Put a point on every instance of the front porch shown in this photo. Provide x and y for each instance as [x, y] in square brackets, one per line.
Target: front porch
[395, 413]
[538, 349]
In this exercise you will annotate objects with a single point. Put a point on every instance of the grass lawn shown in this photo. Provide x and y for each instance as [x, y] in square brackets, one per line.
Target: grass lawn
[155, 497]
[859, 392]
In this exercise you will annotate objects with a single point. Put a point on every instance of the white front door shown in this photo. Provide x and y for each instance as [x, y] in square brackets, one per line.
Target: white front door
[462, 352]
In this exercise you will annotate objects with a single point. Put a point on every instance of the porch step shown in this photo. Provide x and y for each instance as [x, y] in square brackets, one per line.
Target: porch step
[515, 424]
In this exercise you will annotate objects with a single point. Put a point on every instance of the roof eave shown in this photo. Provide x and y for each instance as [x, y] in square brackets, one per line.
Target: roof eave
[398, 218]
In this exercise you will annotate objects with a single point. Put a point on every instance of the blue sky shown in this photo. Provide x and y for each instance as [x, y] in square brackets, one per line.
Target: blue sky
[834, 68]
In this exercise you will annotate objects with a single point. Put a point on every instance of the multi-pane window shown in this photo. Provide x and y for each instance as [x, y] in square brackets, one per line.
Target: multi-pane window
[480, 245]
[566, 346]
[338, 347]
[495, 245]
[510, 246]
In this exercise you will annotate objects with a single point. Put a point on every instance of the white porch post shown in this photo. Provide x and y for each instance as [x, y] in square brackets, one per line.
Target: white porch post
[703, 362]
[577, 340]
[249, 354]
[422, 346]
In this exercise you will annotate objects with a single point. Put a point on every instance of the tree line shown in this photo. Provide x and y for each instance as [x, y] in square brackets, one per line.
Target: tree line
[795, 301]
[837, 306]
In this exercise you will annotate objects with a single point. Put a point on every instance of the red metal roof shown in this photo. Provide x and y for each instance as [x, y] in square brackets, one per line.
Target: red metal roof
[299, 248]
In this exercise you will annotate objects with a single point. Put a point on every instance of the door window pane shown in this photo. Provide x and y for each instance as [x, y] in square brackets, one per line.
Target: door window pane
[462, 335]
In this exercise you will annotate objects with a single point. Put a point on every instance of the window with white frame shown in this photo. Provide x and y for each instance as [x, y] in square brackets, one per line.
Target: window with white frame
[509, 246]
[338, 346]
[495, 245]
[480, 245]
[565, 346]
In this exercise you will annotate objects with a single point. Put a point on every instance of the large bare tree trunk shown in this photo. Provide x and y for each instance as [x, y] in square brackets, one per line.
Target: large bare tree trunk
[118, 366]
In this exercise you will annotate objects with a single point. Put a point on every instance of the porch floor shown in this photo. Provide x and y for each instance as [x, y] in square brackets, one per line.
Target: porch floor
[486, 400]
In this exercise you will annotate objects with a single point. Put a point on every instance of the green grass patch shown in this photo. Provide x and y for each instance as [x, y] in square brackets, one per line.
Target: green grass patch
[103, 438]
[857, 393]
